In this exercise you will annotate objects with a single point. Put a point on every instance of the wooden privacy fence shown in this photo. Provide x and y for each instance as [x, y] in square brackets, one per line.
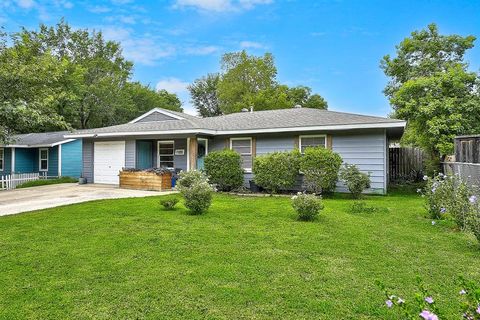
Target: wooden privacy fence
[11, 181]
[405, 164]
[469, 172]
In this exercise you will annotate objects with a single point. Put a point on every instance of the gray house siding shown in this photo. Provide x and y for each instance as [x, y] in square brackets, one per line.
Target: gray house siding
[367, 151]
[130, 153]
[156, 116]
[87, 151]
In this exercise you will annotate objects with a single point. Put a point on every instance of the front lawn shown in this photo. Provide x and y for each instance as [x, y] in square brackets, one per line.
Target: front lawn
[246, 258]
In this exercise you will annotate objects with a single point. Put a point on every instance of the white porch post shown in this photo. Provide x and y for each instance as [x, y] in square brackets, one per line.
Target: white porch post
[13, 161]
[59, 160]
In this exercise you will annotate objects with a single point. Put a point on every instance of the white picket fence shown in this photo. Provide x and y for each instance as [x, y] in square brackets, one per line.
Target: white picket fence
[11, 181]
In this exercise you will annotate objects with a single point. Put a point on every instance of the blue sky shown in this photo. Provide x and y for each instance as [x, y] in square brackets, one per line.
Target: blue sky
[334, 47]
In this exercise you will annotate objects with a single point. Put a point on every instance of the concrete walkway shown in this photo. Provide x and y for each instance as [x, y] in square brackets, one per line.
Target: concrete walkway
[35, 198]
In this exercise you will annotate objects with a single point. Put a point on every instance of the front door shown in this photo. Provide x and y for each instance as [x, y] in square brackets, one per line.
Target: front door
[202, 150]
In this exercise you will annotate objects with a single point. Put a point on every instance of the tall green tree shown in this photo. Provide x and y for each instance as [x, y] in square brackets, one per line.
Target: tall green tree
[97, 72]
[248, 81]
[432, 89]
[203, 92]
[143, 98]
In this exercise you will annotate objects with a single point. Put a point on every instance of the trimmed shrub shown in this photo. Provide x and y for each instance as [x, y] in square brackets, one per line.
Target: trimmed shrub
[169, 203]
[355, 180]
[320, 167]
[196, 191]
[277, 170]
[224, 169]
[307, 206]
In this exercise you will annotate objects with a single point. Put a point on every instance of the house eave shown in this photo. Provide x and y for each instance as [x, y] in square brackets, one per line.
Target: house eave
[399, 124]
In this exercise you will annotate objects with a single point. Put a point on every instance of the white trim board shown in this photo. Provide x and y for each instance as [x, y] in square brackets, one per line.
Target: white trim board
[162, 111]
[245, 131]
[39, 145]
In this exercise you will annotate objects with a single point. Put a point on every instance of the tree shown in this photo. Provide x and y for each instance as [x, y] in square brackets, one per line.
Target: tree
[144, 98]
[302, 95]
[204, 95]
[96, 73]
[431, 88]
[424, 54]
[244, 77]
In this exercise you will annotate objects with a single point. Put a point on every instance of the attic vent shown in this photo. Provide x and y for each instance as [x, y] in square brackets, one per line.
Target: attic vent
[297, 106]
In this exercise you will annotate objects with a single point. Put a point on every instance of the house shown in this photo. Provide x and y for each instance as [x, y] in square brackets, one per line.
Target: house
[164, 138]
[49, 154]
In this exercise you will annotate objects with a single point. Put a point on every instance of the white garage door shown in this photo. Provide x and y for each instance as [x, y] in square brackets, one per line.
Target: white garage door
[109, 159]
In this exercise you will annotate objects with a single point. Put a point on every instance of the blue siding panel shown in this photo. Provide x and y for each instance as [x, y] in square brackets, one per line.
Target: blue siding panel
[52, 162]
[7, 165]
[25, 160]
[72, 159]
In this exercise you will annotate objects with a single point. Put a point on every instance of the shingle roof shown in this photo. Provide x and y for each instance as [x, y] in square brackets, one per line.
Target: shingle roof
[38, 139]
[271, 120]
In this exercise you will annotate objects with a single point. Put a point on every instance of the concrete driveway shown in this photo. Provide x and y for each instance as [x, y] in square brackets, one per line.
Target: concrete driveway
[35, 198]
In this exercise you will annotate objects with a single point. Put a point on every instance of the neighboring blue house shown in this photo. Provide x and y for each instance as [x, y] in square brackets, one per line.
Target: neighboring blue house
[47, 153]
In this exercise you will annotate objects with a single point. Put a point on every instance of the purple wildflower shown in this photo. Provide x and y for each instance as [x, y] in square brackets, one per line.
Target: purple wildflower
[389, 303]
[472, 199]
[478, 309]
[427, 315]
[429, 300]
[443, 210]
[462, 292]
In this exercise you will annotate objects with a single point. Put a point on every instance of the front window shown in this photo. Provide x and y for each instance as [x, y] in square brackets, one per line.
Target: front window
[244, 147]
[312, 141]
[43, 159]
[166, 154]
[2, 159]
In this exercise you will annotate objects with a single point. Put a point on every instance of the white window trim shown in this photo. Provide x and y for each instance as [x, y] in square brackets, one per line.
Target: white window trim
[248, 170]
[311, 136]
[3, 159]
[40, 159]
[158, 150]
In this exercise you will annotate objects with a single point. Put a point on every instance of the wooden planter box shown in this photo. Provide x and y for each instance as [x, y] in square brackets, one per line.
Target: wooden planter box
[145, 181]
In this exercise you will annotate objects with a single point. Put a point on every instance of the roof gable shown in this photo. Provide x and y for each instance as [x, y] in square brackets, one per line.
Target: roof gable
[157, 114]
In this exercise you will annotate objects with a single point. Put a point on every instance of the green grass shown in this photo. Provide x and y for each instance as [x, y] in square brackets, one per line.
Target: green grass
[247, 258]
[44, 182]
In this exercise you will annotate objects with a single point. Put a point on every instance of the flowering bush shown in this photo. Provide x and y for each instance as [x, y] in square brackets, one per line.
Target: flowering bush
[169, 203]
[448, 194]
[473, 221]
[277, 170]
[307, 206]
[355, 180]
[423, 305]
[196, 191]
[320, 169]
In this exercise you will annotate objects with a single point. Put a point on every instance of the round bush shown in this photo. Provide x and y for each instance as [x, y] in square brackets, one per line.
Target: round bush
[196, 191]
[355, 180]
[276, 171]
[320, 168]
[307, 206]
[198, 197]
[224, 169]
[169, 203]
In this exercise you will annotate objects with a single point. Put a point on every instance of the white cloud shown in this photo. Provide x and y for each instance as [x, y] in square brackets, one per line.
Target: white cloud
[142, 50]
[201, 51]
[172, 85]
[220, 5]
[26, 4]
[99, 9]
[251, 45]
